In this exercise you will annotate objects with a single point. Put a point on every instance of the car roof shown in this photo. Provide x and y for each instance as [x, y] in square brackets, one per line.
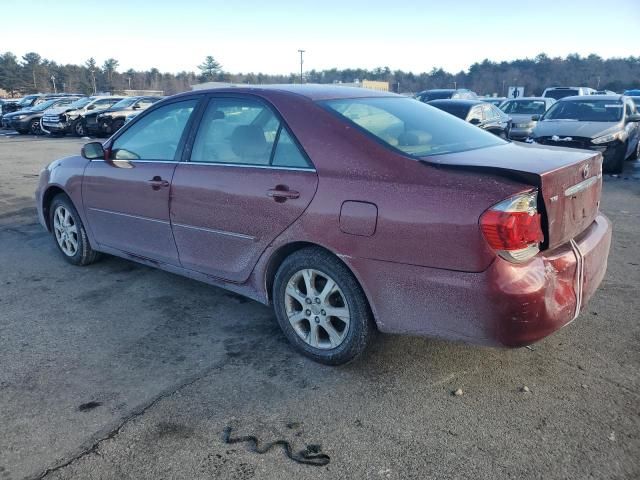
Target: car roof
[456, 101]
[311, 91]
[592, 97]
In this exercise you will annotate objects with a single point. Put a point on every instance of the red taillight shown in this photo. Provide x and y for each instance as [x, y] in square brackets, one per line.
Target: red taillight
[513, 227]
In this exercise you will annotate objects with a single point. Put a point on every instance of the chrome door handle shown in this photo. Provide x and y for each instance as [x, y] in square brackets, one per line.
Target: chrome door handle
[157, 182]
[282, 195]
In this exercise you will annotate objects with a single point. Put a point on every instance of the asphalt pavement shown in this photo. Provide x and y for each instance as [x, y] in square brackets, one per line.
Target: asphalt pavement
[120, 371]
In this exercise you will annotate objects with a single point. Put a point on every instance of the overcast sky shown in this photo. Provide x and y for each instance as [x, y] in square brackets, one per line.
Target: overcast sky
[264, 36]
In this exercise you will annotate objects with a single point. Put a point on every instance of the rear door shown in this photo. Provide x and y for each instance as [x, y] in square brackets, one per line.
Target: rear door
[126, 197]
[246, 181]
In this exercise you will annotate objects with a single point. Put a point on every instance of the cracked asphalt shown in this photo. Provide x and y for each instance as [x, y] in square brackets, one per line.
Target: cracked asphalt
[119, 371]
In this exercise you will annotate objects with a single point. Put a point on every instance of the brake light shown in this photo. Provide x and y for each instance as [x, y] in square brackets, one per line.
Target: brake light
[513, 227]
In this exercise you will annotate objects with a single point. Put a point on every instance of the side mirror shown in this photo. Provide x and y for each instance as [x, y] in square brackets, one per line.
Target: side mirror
[535, 118]
[91, 107]
[634, 117]
[93, 151]
[475, 121]
[135, 107]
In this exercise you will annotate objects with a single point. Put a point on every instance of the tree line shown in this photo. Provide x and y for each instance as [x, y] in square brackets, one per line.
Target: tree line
[32, 73]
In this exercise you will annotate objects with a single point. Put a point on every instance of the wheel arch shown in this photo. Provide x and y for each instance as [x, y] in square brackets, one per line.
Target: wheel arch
[286, 250]
[48, 196]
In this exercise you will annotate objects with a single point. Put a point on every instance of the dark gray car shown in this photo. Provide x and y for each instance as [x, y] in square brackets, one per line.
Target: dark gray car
[606, 123]
[521, 110]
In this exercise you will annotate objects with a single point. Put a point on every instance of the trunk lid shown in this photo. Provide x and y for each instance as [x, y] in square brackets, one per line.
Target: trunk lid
[568, 180]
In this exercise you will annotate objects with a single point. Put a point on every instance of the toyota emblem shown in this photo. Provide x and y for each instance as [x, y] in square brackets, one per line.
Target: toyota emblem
[585, 171]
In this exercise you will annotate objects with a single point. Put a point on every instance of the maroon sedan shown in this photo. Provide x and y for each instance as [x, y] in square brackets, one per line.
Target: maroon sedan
[348, 210]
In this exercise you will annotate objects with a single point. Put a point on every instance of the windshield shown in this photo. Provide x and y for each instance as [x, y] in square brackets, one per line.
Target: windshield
[412, 127]
[525, 107]
[81, 102]
[26, 100]
[125, 102]
[586, 111]
[44, 105]
[558, 94]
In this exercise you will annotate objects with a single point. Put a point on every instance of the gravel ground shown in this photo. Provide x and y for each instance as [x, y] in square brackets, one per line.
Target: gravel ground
[119, 371]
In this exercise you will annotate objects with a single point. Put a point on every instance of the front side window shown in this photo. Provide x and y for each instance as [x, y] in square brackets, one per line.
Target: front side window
[155, 136]
[413, 127]
[244, 132]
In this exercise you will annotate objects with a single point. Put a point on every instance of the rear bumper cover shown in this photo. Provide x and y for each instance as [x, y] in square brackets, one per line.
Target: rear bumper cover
[506, 305]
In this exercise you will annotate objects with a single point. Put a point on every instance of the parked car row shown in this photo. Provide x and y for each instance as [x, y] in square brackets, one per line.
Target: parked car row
[28, 120]
[80, 115]
[574, 117]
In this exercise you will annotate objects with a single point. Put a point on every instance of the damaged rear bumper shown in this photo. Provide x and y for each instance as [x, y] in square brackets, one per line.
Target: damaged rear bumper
[507, 305]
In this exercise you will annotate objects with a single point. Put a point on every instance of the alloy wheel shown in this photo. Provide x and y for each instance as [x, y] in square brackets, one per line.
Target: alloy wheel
[66, 231]
[80, 129]
[36, 129]
[317, 309]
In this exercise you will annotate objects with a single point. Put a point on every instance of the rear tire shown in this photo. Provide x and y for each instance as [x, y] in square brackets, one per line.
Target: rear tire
[330, 321]
[69, 232]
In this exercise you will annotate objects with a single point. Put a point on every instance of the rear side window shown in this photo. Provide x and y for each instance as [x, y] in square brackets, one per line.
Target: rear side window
[412, 127]
[244, 132]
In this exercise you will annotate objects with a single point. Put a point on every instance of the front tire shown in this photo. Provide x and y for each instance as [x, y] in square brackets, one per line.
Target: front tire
[35, 128]
[69, 232]
[321, 308]
[117, 125]
[79, 129]
[636, 153]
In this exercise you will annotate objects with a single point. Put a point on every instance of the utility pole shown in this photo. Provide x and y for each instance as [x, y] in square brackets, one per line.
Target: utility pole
[93, 78]
[301, 62]
[129, 78]
[53, 79]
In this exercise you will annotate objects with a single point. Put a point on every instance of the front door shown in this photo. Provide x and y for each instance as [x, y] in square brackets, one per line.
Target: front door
[126, 197]
[247, 180]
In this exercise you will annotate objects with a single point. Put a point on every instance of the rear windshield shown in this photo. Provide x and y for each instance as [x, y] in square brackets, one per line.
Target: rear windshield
[454, 108]
[586, 111]
[436, 95]
[527, 107]
[410, 126]
[125, 102]
[558, 94]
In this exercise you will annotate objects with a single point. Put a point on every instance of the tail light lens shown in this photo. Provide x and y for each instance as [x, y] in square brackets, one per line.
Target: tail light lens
[513, 227]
